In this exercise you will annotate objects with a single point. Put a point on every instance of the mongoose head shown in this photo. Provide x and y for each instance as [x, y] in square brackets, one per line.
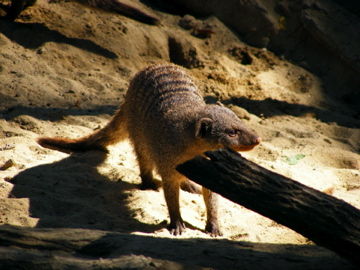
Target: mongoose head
[221, 128]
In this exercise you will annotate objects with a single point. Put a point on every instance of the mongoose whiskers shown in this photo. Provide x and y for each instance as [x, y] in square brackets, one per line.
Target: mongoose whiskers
[168, 122]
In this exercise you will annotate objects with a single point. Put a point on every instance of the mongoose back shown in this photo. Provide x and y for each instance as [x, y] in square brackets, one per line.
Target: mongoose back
[168, 122]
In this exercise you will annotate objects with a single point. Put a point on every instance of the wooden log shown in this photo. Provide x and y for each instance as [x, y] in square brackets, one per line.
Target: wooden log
[328, 221]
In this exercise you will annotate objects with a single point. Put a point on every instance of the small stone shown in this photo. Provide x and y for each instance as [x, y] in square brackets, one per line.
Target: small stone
[9, 163]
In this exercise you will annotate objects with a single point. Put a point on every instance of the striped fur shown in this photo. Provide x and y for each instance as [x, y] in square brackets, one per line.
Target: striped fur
[159, 88]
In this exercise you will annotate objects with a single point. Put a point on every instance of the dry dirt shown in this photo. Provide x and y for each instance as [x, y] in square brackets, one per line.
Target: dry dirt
[64, 69]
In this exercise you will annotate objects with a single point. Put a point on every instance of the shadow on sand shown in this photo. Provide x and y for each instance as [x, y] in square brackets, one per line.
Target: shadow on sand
[54, 114]
[71, 193]
[272, 107]
[33, 35]
[94, 249]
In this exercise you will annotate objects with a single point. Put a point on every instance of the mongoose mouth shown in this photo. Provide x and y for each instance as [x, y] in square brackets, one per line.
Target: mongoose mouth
[244, 148]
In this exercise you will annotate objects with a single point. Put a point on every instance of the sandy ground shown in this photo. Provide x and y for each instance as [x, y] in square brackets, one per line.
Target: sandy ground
[64, 69]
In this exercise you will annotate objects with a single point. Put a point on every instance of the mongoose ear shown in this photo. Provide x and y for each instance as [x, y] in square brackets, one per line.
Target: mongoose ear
[219, 104]
[203, 127]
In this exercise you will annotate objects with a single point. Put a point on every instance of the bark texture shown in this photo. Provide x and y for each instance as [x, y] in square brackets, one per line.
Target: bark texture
[328, 221]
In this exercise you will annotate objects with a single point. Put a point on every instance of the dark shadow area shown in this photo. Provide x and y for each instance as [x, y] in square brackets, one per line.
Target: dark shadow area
[171, 7]
[33, 35]
[86, 249]
[271, 107]
[352, 6]
[71, 193]
[217, 253]
[4, 7]
[54, 114]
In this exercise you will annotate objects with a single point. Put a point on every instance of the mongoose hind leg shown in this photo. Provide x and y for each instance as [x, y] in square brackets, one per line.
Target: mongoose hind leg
[171, 186]
[146, 171]
[211, 203]
[191, 187]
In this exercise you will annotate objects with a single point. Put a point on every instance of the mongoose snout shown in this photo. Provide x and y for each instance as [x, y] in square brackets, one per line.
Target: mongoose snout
[245, 140]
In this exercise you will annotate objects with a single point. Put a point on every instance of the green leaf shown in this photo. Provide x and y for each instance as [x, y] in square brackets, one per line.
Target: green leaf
[293, 160]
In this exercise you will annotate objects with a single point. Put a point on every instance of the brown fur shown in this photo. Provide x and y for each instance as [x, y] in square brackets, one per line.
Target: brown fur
[168, 123]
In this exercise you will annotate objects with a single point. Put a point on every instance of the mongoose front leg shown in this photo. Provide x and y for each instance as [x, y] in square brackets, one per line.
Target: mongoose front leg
[171, 187]
[211, 203]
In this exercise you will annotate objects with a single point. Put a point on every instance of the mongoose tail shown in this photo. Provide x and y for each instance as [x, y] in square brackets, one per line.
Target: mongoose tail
[115, 131]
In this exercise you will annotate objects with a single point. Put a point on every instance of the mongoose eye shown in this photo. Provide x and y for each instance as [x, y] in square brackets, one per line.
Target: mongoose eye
[231, 132]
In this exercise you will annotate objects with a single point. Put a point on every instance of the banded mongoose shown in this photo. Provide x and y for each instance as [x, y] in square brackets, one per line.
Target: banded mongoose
[168, 122]
[115, 6]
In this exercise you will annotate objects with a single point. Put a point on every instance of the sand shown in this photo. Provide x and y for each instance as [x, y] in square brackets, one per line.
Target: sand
[64, 70]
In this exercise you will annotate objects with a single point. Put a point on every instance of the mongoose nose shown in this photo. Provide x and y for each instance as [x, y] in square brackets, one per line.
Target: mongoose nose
[258, 140]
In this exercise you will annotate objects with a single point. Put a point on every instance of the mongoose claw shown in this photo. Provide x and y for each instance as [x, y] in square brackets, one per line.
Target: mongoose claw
[213, 230]
[177, 228]
[150, 185]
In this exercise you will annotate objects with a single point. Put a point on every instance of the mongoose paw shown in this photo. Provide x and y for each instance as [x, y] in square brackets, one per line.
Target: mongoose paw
[154, 185]
[213, 229]
[191, 187]
[177, 228]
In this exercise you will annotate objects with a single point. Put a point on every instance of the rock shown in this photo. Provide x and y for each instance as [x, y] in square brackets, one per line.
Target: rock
[183, 53]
